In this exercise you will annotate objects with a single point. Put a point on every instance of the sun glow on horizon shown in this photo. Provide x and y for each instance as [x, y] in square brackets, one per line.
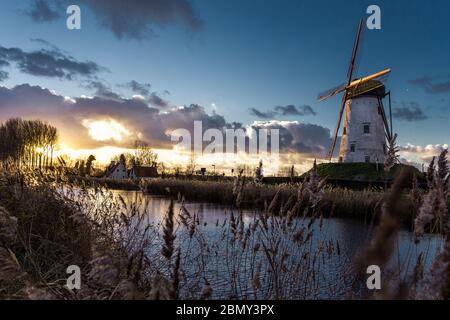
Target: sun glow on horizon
[106, 130]
[171, 158]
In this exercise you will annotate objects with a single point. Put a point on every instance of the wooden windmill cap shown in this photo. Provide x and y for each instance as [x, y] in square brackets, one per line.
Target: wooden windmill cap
[372, 88]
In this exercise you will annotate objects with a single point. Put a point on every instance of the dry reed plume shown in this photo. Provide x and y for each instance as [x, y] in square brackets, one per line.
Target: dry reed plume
[48, 222]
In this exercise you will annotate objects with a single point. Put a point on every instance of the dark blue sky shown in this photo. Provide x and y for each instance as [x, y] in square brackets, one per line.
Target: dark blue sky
[258, 54]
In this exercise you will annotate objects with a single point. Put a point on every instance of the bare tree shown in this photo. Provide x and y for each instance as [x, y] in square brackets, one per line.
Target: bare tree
[145, 155]
[190, 167]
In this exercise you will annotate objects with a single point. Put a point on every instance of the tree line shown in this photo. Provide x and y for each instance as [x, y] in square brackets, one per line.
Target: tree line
[28, 143]
[143, 155]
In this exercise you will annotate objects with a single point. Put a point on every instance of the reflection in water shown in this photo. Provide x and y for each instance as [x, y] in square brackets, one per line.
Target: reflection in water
[335, 271]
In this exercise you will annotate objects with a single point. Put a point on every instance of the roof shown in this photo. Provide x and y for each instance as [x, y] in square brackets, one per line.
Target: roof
[369, 88]
[145, 172]
[112, 167]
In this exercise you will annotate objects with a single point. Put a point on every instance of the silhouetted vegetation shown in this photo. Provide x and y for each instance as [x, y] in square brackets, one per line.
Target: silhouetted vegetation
[51, 219]
[277, 254]
[27, 143]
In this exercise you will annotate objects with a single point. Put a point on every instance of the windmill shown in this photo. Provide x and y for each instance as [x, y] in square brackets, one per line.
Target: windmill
[365, 128]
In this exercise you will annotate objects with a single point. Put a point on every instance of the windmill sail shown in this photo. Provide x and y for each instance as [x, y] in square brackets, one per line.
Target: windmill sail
[330, 92]
[351, 69]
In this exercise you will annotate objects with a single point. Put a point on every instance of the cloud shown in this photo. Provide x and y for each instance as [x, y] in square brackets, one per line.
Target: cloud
[433, 85]
[262, 114]
[41, 42]
[69, 115]
[135, 19]
[40, 11]
[184, 117]
[410, 112]
[101, 89]
[3, 75]
[422, 154]
[157, 101]
[291, 110]
[48, 63]
[142, 89]
[299, 137]
[45, 43]
[78, 118]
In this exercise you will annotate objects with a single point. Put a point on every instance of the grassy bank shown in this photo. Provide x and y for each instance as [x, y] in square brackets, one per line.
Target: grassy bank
[38, 238]
[337, 202]
[114, 184]
[48, 224]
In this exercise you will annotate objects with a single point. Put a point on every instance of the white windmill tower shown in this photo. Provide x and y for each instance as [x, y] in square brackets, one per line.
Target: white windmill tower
[365, 129]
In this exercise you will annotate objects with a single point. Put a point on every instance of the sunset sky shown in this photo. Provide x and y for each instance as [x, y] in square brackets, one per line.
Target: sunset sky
[139, 69]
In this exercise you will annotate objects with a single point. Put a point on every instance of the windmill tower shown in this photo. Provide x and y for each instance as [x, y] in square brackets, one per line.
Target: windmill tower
[365, 129]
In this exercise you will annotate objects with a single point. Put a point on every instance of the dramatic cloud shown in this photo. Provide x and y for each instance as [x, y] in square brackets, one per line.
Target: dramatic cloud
[48, 63]
[291, 110]
[262, 114]
[410, 112]
[299, 137]
[76, 117]
[184, 117]
[86, 123]
[72, 115]
[41, 11]
[433, 85]
[142, 16]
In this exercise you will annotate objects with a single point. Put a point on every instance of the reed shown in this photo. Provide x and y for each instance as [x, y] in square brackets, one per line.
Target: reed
[50, 222]
[363, 205]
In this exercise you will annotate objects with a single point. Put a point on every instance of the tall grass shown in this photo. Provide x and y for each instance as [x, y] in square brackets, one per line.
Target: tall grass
[336, 202]
[48, 223]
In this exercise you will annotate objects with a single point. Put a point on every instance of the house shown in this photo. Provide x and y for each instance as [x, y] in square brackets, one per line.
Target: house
[117, 170]
[142, 172]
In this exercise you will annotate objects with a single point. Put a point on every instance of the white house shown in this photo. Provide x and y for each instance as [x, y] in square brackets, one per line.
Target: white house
[117, 170]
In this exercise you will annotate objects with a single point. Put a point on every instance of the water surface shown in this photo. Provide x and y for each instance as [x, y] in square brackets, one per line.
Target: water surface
[210, 257]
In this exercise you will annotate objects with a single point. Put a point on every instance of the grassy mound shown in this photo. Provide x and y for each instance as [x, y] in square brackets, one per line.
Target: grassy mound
[360, 171]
